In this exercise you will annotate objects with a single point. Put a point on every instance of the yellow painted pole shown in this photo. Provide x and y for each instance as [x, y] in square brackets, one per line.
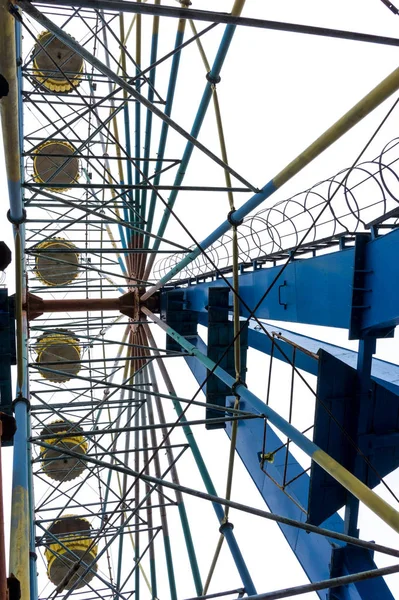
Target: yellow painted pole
[380, 93]
[9, 108]
[376, 504]
[237, 8]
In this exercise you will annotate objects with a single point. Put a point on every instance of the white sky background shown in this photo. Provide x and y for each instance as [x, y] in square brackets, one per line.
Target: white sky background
[278, 92]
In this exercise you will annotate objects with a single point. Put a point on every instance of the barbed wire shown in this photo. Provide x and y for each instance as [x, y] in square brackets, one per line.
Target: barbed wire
[370, 191]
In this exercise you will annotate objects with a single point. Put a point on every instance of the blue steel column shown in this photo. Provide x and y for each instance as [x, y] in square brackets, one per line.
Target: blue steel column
[32, 553]
[213, 77]
[165, 127]
[21, 514]
[384, 373]
[367, 348]
[314, 552]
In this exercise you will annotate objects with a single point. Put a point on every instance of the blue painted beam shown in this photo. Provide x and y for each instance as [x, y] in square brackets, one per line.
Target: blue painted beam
[325, 302]
[315, 553]
[347, 563]
[382, 277]
[319, 290]
[382, 372]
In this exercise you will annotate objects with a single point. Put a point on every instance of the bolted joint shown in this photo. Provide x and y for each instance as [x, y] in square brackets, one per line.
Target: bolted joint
[267, 457]
[236, 384]
[224, 526]
[213, 79]
[234, 222]
[17, 221]
[21, 399]
[15, 12]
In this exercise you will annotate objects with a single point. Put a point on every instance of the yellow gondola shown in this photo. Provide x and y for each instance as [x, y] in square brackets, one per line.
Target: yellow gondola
[54, 162]
[56, 464]
[64, 350]
[55, 267]
[74, 535]
[50, 53]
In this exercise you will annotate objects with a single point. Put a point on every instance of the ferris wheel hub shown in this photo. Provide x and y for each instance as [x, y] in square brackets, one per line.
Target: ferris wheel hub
[128, 304]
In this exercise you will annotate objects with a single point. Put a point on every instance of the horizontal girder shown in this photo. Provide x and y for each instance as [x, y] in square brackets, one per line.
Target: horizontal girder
[323, 290]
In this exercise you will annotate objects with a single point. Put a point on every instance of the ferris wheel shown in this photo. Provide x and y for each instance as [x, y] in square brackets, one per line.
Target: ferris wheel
[150, 272]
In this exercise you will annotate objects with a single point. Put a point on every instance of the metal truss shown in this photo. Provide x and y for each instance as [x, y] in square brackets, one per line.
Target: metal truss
[106, 442]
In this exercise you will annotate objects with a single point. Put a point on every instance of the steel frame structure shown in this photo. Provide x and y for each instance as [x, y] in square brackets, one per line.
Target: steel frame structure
[137, 488]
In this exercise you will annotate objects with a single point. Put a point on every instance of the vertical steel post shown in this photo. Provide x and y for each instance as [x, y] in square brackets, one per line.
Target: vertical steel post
[148, 123]
[21, 514]
[32, 553]
[107, 165]
[137, 107]
[9, 112]
[179, 496]
[136, 492]
[20, 525]
[364, 361]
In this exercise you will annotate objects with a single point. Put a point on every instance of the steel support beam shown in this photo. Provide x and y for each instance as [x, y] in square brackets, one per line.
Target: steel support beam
[9, 113]
[376, 504]
[315, 554]
[219, 17]
[382, 372]
[126, 304]
[374, 547]
[328, 584]
[321, 290]
[110, 430]
[228, 532]
[3, 571]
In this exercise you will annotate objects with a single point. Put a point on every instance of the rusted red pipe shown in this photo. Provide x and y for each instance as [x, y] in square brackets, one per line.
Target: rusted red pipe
[126, 304]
